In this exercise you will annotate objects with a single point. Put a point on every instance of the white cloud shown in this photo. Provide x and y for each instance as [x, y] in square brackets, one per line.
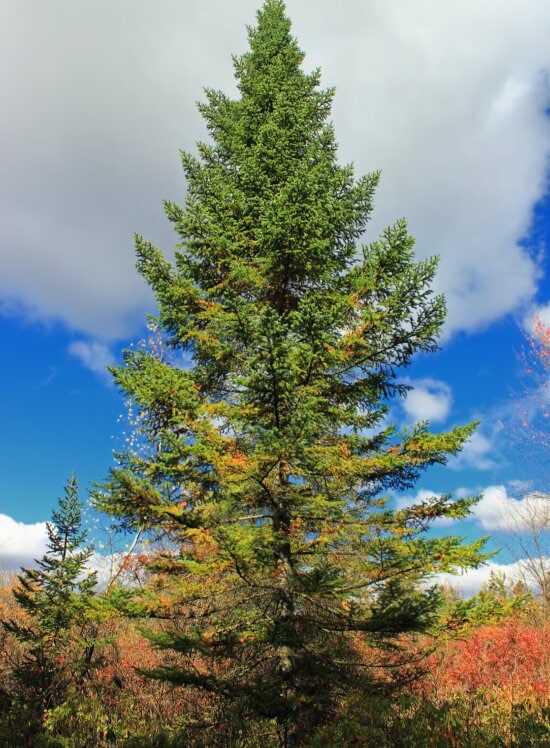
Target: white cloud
[492, 510]
[521, 486]
[470, 581]
[105, 566]
[429, 400]
[95, 356]
[540, 312]
[462, 492]
[448, 100]
[476, 454]
[498, 511]
[422, 496]
[455, 93]
[543, 312]
[20, 543]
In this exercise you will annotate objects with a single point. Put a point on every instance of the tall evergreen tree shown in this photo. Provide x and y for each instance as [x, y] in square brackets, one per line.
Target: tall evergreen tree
[270, 460]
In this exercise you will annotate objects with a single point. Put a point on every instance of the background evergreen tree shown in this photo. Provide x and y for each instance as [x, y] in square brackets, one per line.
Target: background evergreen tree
[54, 597]
[270, 458]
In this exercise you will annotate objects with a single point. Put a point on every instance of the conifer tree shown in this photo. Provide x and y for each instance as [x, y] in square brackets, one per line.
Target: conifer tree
[270, 460]
[53, 596]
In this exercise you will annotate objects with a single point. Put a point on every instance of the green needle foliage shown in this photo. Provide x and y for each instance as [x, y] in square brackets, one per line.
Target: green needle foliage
[266, 461]
[55, 598]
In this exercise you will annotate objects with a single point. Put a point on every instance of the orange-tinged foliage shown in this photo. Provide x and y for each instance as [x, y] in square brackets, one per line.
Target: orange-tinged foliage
[512, 657]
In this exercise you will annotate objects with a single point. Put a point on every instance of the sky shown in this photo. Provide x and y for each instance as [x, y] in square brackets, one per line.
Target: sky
[450, 101]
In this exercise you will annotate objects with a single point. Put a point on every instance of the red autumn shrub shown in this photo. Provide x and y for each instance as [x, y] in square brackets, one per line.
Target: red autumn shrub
[512, 655]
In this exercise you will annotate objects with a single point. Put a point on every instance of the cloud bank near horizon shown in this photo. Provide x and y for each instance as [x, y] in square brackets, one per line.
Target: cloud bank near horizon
[101, 98]
[21, 544]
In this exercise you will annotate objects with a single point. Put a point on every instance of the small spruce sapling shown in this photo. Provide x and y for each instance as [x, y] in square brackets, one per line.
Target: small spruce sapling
[55, 599]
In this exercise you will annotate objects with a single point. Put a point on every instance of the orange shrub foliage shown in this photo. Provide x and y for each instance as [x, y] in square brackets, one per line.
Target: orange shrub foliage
[512, 655]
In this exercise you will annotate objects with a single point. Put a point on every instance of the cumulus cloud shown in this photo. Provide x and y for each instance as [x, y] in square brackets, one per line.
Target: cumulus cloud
[423, 496]
[476, 454]
[497, 510]
[469, 581]
[20, 543]
[543, 313]
[455, 93]
[93, 355]
[105, 566]
[537, 312]
[430, 400]
[102, 98]
[492, 511]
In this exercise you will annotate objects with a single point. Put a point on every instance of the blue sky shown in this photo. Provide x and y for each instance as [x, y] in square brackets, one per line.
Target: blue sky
[450, 102]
